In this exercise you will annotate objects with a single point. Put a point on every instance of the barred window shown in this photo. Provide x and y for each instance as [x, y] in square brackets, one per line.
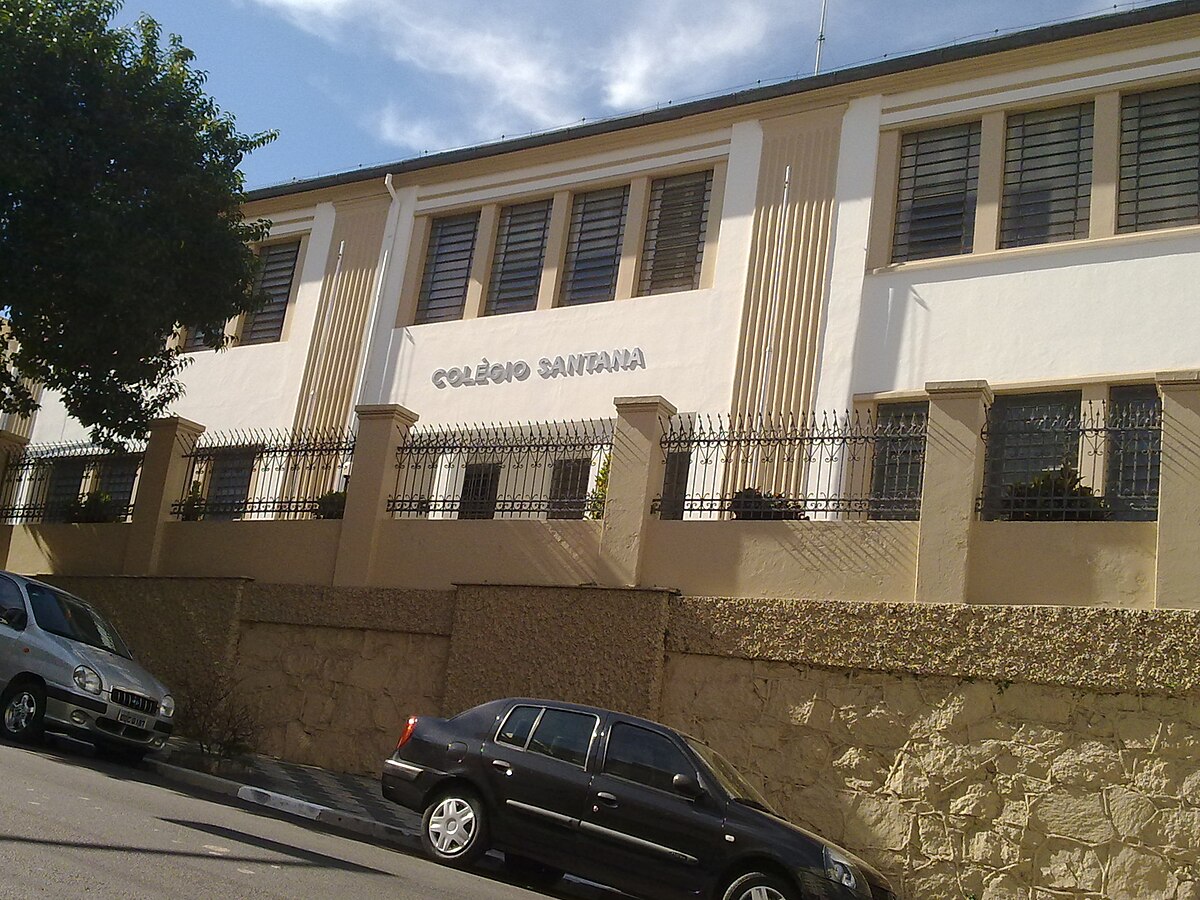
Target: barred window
[935, 205]
[1160, 159]
[447, 270]
[594, 246]
[517, 261]
[568, 488]
[278, 267]
[64, 486]
[1029, 437]
[675, 481]
[1134, 451]
[1047, 176]
[898, 467]
[481, 484]
[117, 477]
[229, 488]
[676, 223]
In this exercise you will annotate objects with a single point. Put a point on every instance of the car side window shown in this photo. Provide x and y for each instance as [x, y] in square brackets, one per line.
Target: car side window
[11, 599]
[517, 725]
[645, 757]
[564, 735]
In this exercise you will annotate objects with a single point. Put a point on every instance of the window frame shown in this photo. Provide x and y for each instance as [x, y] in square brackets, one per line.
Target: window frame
[243, 322]
[542, 710]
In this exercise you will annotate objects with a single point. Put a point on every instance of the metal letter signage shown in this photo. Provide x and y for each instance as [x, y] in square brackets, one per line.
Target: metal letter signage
[573, 364]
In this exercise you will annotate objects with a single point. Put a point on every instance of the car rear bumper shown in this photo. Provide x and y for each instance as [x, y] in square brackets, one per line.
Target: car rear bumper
[406, 784]
[94, 719]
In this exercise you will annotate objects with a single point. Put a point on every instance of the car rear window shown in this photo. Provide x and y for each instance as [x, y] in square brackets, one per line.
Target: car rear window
[564, 735]
[515, 730]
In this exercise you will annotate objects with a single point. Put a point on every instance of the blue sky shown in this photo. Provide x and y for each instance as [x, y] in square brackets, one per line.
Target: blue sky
[349, 83]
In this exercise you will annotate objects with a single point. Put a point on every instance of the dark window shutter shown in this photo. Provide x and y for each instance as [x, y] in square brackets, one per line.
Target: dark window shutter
[118, 473]
[193, 341]
[1028, 435]
[1047, 176]
[517, 263]
[935, 204]
[898, 466]
[229, 488]
[64, 486]
[568, 488]
[594, 246]
[481, 484]
[1160, 159]
[275, 280]
[675, 225]
[675, 481]
[1134, 451]
[447, 268]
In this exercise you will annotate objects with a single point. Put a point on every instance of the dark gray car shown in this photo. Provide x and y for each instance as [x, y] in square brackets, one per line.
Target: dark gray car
[64, 668]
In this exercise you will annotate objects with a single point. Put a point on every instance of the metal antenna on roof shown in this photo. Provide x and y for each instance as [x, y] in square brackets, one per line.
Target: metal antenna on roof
[820, 37]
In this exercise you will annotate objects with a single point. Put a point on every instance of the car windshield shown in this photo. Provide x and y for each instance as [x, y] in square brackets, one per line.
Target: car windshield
[70, 617]
[730, 778]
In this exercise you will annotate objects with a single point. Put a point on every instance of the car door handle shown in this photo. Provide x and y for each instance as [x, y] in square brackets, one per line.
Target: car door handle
[606, 798]
[502, 766]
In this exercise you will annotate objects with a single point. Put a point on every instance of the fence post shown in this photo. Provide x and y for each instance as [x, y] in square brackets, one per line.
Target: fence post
[162, 481]
[952, 481]
[635, 477]
[381, 430]
[1177, 582]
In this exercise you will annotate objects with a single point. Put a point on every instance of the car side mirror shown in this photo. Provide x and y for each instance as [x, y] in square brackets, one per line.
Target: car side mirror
[15, 618]
[688, 786]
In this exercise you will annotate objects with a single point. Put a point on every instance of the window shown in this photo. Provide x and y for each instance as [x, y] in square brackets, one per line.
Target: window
[568, 488]
[278, 266]
[515, 730]
[447, 268]
[517, 262]
[1134, 451]
[645, 757]
[1030, 437]
[1047, 176]
[675, 227]
[480, 486]
[117, 477]
[935, 204]
[64, 486]
[11, 602]
[675, 479]
[898, 467]
[1160, 159]
[193, 341]
[564, 735]
[594, 246]
[229, 486]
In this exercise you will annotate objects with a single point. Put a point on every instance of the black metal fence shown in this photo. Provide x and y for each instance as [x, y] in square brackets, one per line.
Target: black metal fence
[854, 465]
[1053, 457]
[69, 482]
[552, 470]
[267, 475]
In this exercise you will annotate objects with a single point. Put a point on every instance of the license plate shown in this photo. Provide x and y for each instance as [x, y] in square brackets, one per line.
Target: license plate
[128, 718]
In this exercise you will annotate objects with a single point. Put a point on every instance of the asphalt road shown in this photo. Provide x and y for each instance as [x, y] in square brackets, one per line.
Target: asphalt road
[72, 825]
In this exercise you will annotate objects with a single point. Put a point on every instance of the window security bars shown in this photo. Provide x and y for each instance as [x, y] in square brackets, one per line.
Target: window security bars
[73, 482]
[855, 465]
[550, 470]
[1052, 457]
[267, 475]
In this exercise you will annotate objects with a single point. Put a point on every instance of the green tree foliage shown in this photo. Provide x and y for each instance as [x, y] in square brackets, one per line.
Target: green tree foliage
[119, 212]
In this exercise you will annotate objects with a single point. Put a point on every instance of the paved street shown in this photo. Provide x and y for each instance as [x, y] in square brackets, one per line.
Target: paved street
[73, 826]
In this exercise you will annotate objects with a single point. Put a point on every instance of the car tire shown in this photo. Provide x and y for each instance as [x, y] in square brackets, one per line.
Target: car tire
[530, 872]
[760, 886]
[454, 828]
[23, 712]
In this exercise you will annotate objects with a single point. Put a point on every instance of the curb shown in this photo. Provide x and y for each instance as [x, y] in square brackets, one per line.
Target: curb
[291, 806]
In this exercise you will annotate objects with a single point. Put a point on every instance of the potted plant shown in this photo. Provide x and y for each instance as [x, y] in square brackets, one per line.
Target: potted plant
[95, 506]
[330, 505]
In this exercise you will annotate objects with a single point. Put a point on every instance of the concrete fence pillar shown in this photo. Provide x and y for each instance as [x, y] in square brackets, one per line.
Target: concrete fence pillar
[952, 482]
[635, 478]
[1177, 581]
[162, 481]
[381, 431]
[11, 444]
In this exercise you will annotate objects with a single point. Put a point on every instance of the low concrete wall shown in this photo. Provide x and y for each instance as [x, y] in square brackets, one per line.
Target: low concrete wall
[438, 554]
[862, 560]
[69, 549]
[1068, 563]
[286, 552]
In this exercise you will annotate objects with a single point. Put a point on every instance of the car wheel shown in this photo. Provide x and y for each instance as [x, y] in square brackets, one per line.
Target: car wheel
[22, 710]
[759, 886]
[454, 827]
[530, 872]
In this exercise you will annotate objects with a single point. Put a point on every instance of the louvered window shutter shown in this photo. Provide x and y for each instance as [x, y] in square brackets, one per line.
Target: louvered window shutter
[675, 227]
[447, 268]
[517, 263]
[1047, 176]
[935, 204]
[594, 246]
[1160, 159]
[275, 280]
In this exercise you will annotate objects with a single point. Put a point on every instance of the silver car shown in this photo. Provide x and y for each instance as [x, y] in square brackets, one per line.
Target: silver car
[64, 668]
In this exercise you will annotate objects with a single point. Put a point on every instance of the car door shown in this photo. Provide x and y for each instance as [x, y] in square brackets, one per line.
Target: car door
[657, 838]
[536, 769]
[12, 644]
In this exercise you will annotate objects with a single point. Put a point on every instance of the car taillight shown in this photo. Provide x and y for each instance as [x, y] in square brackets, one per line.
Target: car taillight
[409, 727]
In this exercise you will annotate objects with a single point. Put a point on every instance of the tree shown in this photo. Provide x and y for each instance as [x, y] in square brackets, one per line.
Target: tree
[120, 212]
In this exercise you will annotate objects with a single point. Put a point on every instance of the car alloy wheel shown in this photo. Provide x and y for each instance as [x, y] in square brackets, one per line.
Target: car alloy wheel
[454, 828]
[23, 708]
[758, 886]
